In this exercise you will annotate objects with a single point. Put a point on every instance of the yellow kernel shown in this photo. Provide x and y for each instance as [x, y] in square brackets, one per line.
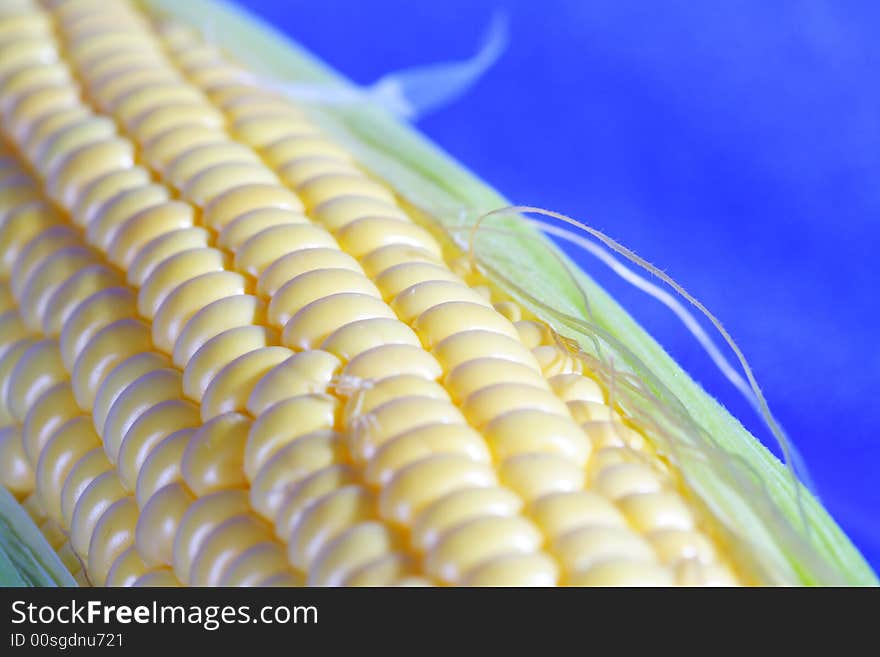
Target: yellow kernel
[113, 534]
[214, 318]
[387, 570]
[570, 387]
[85, 165]
[224, 544]
[369, 432]
[419, 484]
[68, 139]
[302, 261]
[447, 319]
[487, 404]
[354, 548]
[530, 431]
[66, 298]
[163, 465]
[286, 422]
[54, 407]
[555, 360]
[393, 360]
[350, 341]
[147, 127]
[200, 519]
[658, 510]
[162, 247]
[220, 178]
[560, 513]
[582, 548]
[365, 397]
[97, 497]
[515, 570]
[7, 363]
[477, 543]
[142, 99]
[20, 227]
[479, 373]
[300, 170]
[92, 465]
[398, 278]
[66, 446]
[459, 507]
[93, 196]
[673, 545]
[622, 479]
[232, 385]
[126, 570]
[534, 333]
[260, 131]
[421, 297]
[109, 347]
[190, 297]
[119, 378]
[381, 260]
[459, 348]
[161, 149]
[153, 426]
[299, 497]
[194, 161]
[219, 351]
[304, 373]
[270, 244]
[311, 325]
[330, 186]
[311, 286]
[241, 229]
[367, 234]
[112, 214]
[534, 475]
[214, 457]
[54, 272]
[422, 442]
[245, 198]
[622, 572]
[137, 398]
[306, 144]
[326, 519]
[16, 474]
[39, 369]
[172, 272]
[694, 573]
[37, 251]
[290, 465]
[139, 229]
[255, 565]
[161, 577]
[159, 521]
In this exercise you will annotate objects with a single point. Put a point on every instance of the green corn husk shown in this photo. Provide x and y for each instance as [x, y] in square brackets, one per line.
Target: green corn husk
[26, 559]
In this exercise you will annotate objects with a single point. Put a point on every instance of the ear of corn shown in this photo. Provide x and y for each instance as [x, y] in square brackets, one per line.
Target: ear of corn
[238, 348]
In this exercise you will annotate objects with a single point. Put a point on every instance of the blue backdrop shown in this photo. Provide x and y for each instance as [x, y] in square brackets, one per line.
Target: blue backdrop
[736, 145]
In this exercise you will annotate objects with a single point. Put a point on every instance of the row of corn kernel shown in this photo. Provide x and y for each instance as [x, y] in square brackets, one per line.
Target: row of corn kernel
[16, 471]
[311, 329]
[21, 350]
[426, 285]
[412, 415]
[112, 486]
[225, 373]
[130, 424]
[659, 512]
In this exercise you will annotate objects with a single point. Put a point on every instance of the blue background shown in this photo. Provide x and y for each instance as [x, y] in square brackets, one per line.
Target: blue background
[735, 144]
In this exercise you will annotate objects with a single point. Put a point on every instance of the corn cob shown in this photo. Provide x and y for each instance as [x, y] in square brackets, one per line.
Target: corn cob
[232, 355]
